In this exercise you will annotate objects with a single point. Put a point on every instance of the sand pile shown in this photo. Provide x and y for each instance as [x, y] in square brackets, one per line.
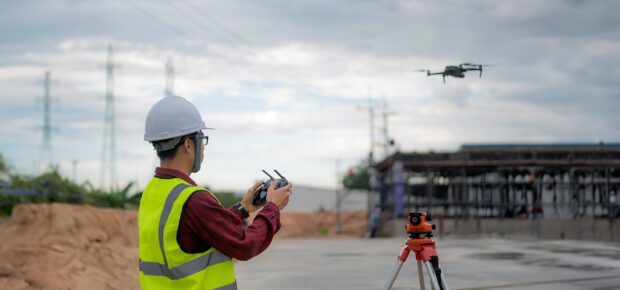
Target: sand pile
[62, 246]
[59, 246]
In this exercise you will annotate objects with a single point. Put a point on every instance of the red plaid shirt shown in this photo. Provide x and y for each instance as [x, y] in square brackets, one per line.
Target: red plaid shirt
[205, 224]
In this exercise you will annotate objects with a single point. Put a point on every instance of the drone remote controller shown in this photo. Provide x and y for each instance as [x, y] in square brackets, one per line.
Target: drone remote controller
[260, 195]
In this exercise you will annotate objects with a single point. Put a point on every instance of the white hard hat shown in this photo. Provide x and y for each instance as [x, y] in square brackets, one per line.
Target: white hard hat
[172, 117]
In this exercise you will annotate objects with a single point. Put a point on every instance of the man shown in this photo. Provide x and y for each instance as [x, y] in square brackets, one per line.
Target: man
[187, 239]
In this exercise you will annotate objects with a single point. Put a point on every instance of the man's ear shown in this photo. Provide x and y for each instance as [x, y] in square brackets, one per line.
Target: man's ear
[186, 145]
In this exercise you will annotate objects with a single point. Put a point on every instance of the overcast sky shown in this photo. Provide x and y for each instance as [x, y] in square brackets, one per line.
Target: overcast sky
[283, 82]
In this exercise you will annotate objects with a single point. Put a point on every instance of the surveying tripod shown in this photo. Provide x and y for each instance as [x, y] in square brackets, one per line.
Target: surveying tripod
[420, 242]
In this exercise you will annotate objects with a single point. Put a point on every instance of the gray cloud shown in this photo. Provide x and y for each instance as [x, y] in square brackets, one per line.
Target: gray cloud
[258, 69]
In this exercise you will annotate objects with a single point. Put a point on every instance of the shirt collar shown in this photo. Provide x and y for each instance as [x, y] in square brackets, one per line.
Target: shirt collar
[162, 172]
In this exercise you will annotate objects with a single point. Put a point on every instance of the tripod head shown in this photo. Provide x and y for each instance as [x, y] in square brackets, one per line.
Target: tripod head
[418, 227]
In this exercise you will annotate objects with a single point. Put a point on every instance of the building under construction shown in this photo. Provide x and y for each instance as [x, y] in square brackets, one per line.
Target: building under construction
[546, 181]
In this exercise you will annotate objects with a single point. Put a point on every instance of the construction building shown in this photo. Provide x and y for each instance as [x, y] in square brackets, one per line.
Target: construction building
[507, 181]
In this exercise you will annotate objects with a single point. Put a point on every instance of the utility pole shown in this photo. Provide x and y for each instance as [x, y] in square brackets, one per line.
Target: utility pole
[385, 113]
[386, 136]
[371, 114]
[381, 109]
[169, 91]
[338, 197]
[108, 157]
[46, 151]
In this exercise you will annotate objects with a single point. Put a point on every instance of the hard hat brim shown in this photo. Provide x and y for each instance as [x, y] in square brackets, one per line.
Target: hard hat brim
[170, 135]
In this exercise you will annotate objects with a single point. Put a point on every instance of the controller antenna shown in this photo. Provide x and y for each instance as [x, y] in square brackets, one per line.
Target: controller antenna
[278, 173]
[270, 175]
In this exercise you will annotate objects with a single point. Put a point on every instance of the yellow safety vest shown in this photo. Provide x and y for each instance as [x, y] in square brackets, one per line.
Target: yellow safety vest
[163, 264]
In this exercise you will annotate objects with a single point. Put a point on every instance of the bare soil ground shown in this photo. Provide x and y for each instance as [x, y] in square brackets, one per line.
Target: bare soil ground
[60, 246]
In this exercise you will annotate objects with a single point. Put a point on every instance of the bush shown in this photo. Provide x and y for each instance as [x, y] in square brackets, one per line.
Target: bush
[228, 198]
[357, 178]
[118, 198]
[53, 187]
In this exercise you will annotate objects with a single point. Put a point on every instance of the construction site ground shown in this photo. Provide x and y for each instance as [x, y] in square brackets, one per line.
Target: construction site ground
[70, 247]
[467, 263]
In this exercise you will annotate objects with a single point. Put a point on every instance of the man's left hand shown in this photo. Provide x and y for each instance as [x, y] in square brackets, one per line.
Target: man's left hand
[249, 197]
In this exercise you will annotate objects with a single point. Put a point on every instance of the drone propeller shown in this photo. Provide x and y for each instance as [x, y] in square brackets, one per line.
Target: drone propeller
[428, 72]
[475, 64]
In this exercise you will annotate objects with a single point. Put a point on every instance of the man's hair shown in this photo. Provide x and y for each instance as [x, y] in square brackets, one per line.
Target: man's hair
[169, 154]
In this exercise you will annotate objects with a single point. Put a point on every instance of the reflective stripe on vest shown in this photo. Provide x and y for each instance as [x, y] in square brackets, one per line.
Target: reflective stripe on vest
[186, 269]
[182, 271]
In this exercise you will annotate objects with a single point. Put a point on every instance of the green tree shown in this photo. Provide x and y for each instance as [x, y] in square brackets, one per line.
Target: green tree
[357, 178]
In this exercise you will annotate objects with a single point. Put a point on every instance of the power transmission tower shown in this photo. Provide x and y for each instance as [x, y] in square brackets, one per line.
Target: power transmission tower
[108, 156]
[46, 150]
[169, 78]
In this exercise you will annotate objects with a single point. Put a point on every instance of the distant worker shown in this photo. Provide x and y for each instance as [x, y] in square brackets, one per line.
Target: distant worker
[187, 239]
[373, 221]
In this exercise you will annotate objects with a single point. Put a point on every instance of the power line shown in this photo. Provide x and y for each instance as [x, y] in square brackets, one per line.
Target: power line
[230, 37]
[156, 18]
[234, 35]
[196, 20]
[184, 35]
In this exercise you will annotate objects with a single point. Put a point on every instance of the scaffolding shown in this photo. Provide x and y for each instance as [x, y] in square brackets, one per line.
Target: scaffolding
[553, 181]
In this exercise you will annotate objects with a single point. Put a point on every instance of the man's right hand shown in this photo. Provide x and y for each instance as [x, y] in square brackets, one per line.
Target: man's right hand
[281, 195]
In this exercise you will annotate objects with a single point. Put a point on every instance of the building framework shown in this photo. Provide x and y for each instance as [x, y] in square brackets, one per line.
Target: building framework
[562, 181]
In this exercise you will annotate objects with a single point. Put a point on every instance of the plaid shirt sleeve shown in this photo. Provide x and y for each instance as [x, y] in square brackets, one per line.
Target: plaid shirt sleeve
[205, 223]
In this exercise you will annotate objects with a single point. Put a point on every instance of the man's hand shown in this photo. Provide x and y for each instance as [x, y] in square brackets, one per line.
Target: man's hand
[249, 197]
[281, 195]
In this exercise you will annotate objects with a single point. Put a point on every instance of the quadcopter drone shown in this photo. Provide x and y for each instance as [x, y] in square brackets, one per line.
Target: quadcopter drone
[455, 71]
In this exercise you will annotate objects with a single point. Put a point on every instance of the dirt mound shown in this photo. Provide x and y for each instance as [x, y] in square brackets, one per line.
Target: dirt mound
[60, 246]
